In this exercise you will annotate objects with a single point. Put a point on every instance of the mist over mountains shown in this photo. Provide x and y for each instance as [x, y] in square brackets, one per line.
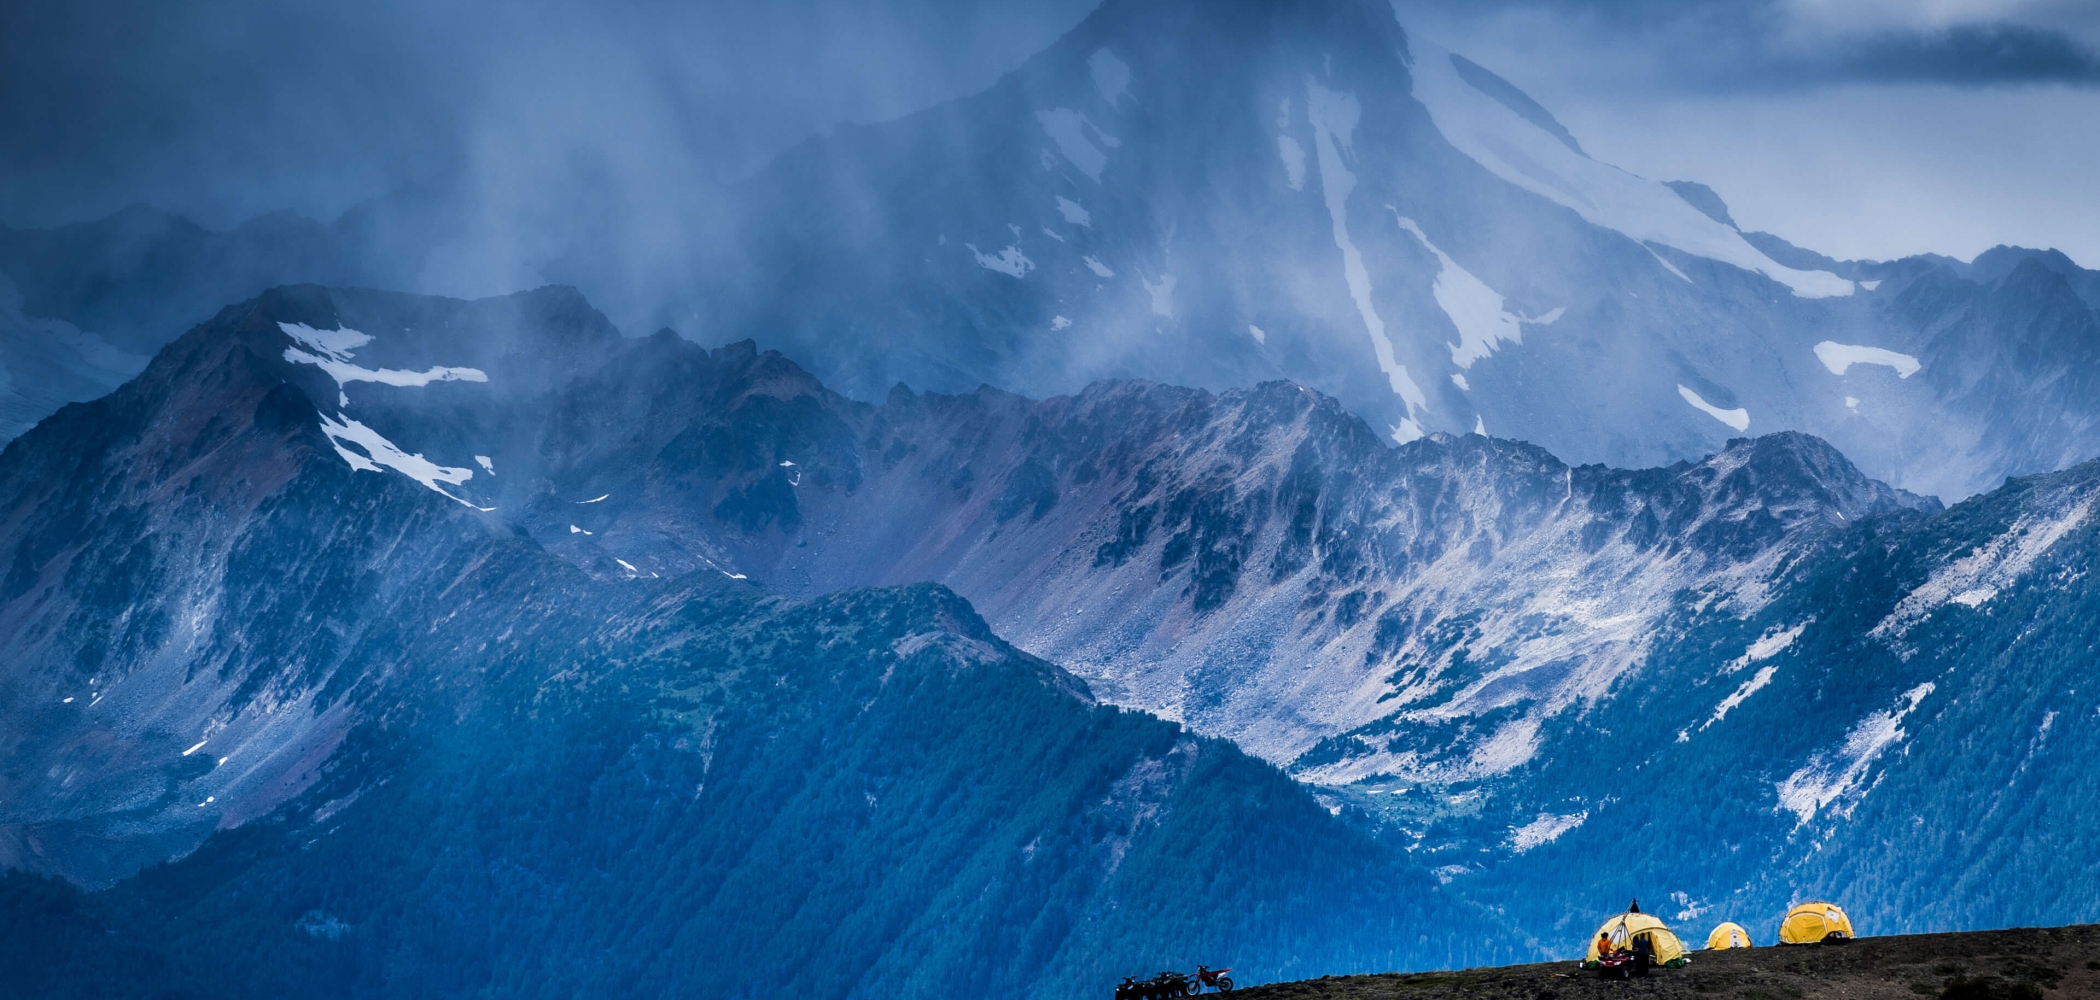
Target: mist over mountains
[1245, 488]
[1340, 204]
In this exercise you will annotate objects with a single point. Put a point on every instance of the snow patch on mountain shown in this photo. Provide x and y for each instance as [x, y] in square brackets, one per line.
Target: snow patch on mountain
[1074, 212]
[1162, 293]
[1977, 577]
[1111, 76]
[1772, 643]
[331, 350]
[378, 453]
[1522, 153]
[1475, 309]
[1010, 261]
[1075, 136]
[1100, 270]
[1737, 418]
[1334, 116]
[1829, 777]
[337, 343]
[1544, 830]
[1293, 161]
[1839, 357]
[1667, 266]
[1752, 686]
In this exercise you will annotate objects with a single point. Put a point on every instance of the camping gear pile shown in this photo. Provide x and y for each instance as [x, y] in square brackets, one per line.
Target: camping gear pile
[1630, 943]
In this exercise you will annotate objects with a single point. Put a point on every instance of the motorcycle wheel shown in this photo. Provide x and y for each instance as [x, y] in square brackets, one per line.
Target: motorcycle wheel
[1225, 983]
[1194, 987]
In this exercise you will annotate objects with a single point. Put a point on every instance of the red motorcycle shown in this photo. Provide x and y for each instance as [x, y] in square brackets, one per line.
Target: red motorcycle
[1217, 980]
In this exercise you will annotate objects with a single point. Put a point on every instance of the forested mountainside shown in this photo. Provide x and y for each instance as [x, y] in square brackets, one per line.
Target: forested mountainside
[1903, 727]
[367, 740]
[1505, 664]
[711, 792]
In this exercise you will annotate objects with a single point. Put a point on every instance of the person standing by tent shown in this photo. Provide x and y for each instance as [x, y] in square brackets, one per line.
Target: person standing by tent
[1643, 954]
[1603, 945]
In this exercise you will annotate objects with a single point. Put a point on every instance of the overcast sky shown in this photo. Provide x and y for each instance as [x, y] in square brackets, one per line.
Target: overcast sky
[1860, 128]
[1868, 128]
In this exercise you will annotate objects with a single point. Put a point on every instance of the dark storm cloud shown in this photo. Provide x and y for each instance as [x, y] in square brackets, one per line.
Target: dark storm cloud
[223, 109]
[1787, 44]
[1975, 54]
[226, 108]
[473, 147]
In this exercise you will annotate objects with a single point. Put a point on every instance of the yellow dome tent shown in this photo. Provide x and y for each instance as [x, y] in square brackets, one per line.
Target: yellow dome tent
[1622, 929]
[1815, 923]
[1729, 935]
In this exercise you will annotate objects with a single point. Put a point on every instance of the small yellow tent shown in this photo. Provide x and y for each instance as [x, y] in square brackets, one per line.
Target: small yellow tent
[1729, 935]
[1622, 929]
[1815, 923]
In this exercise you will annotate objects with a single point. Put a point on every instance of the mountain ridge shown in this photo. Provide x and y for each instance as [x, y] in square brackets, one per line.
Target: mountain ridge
[1461, 643]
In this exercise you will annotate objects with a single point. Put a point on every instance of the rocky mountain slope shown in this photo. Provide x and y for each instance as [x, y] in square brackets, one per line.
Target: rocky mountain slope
[370, 739]
[1259, 564]
[1907, 723]
[1512, 660]
[1746, 678]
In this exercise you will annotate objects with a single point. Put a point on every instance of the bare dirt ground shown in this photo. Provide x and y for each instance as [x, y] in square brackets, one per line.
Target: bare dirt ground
[2045, 963]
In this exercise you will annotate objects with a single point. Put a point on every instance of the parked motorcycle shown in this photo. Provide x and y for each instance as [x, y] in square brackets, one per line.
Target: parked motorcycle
[1215, 979]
